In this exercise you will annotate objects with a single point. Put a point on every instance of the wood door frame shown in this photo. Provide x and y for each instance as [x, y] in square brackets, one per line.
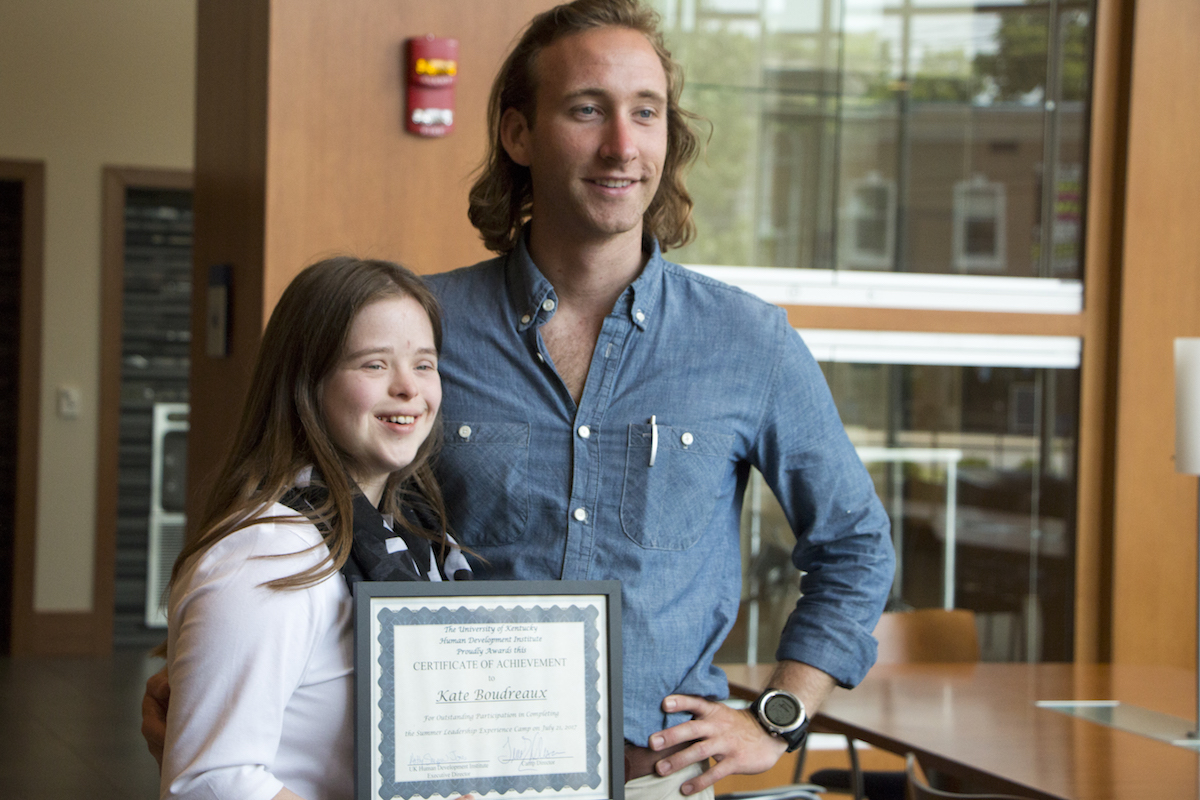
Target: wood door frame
[116, 181]
[32, 176]
[1096, 461]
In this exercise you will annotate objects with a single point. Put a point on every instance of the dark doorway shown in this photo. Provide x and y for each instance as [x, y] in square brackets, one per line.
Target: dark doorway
[11, 221]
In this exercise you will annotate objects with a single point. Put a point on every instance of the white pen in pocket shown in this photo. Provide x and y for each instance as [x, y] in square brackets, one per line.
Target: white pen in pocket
[653, 438]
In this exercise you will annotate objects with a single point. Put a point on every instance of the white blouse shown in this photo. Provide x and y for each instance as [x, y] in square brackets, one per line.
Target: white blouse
[261, 679]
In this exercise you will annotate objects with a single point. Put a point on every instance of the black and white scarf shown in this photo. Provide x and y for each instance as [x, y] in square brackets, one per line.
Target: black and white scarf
[381, 550]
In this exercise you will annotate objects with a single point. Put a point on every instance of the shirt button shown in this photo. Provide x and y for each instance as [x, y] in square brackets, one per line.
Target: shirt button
[687, 439]
[541, 358]
[525, 319]
[547, 304]
[585, 431]
[581, 514]
[640, 316]
[464, 432]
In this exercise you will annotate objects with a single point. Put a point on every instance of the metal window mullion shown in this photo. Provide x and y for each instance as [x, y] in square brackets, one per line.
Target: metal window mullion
[1050, 119]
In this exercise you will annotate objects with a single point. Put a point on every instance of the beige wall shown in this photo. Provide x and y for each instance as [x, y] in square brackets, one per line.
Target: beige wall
[83, 85]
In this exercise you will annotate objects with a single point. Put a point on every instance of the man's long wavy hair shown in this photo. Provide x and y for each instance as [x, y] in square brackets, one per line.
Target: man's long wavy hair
[502, 198]
[283, 429]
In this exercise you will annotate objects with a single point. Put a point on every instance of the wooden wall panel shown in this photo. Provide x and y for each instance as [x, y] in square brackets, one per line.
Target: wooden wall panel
[343, 174]
[301, 153]
[934, 320]
[1154, 590]
[230, 189]
[1095, 473]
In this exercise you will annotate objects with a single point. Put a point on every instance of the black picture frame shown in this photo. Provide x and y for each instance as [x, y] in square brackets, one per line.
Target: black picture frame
[382, 609]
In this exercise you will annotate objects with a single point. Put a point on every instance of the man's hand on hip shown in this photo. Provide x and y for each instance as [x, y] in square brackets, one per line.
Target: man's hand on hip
[732, 738]
[154, 713]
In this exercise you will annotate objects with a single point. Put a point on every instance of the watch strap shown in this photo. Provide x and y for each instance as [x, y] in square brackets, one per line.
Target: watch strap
[795, 739]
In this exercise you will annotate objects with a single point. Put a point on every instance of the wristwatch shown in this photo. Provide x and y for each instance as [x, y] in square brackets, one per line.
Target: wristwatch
[782, 714]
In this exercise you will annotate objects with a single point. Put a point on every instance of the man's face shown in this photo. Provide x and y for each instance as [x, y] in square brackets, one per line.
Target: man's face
[599, 139]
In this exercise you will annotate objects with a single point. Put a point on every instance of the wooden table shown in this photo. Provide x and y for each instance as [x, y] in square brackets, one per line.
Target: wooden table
[980, 721]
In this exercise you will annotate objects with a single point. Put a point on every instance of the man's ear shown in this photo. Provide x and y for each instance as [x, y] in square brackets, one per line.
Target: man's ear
[514, 135]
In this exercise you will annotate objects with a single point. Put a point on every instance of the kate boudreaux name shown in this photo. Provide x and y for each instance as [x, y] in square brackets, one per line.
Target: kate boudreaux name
[504, 663]
[486, 695]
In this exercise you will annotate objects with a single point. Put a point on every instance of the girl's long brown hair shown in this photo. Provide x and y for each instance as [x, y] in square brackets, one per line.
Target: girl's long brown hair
[282, 430]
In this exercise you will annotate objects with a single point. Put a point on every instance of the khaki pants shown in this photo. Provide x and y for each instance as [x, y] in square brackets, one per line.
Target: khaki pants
[652, 787]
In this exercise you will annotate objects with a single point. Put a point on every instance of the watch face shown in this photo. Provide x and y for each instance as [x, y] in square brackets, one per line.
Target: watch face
[781, 710]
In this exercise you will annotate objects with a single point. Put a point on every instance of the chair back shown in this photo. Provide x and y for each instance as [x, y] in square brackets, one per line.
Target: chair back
[927, 635]
[919, 788]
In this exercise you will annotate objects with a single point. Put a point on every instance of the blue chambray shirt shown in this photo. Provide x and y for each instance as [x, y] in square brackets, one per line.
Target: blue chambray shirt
[546, 490]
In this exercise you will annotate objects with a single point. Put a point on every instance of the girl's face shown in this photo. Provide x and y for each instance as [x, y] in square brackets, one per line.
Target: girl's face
[380, 401]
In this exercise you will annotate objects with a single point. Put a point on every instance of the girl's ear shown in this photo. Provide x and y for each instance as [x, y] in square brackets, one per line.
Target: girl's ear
[514, 136]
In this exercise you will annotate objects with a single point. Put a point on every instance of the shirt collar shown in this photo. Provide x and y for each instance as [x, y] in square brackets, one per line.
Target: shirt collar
[534, 299]
[644, 295]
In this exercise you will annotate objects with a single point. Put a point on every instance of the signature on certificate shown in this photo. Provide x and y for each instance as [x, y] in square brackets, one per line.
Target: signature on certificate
[429, 760]
[532, 750]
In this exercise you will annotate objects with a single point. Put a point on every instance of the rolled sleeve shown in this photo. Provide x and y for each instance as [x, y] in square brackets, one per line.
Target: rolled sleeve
[843, 542]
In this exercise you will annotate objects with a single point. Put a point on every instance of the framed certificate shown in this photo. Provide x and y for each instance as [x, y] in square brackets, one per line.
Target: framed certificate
[493, 688]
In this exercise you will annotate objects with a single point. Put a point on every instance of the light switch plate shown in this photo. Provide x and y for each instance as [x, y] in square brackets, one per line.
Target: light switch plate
[68, 402]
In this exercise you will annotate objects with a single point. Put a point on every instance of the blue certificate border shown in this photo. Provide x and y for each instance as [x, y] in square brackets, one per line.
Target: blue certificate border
[389, 619]
[445, 606]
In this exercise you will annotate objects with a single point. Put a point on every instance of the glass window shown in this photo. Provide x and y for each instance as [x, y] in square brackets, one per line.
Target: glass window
[817, 106]
[976, 468]
[979, 230]
[869, 223]
[911, 154]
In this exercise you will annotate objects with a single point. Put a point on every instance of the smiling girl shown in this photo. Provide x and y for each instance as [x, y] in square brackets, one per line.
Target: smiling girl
[328, 482]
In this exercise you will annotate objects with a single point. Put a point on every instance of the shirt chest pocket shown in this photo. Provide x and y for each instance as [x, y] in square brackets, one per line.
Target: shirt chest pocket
[668, 506]
[484, 472]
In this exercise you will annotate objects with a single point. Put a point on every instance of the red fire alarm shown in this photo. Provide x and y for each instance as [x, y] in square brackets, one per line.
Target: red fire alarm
[432, 72]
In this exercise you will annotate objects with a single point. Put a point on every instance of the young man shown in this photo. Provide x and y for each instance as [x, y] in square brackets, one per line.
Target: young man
[603, 406]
